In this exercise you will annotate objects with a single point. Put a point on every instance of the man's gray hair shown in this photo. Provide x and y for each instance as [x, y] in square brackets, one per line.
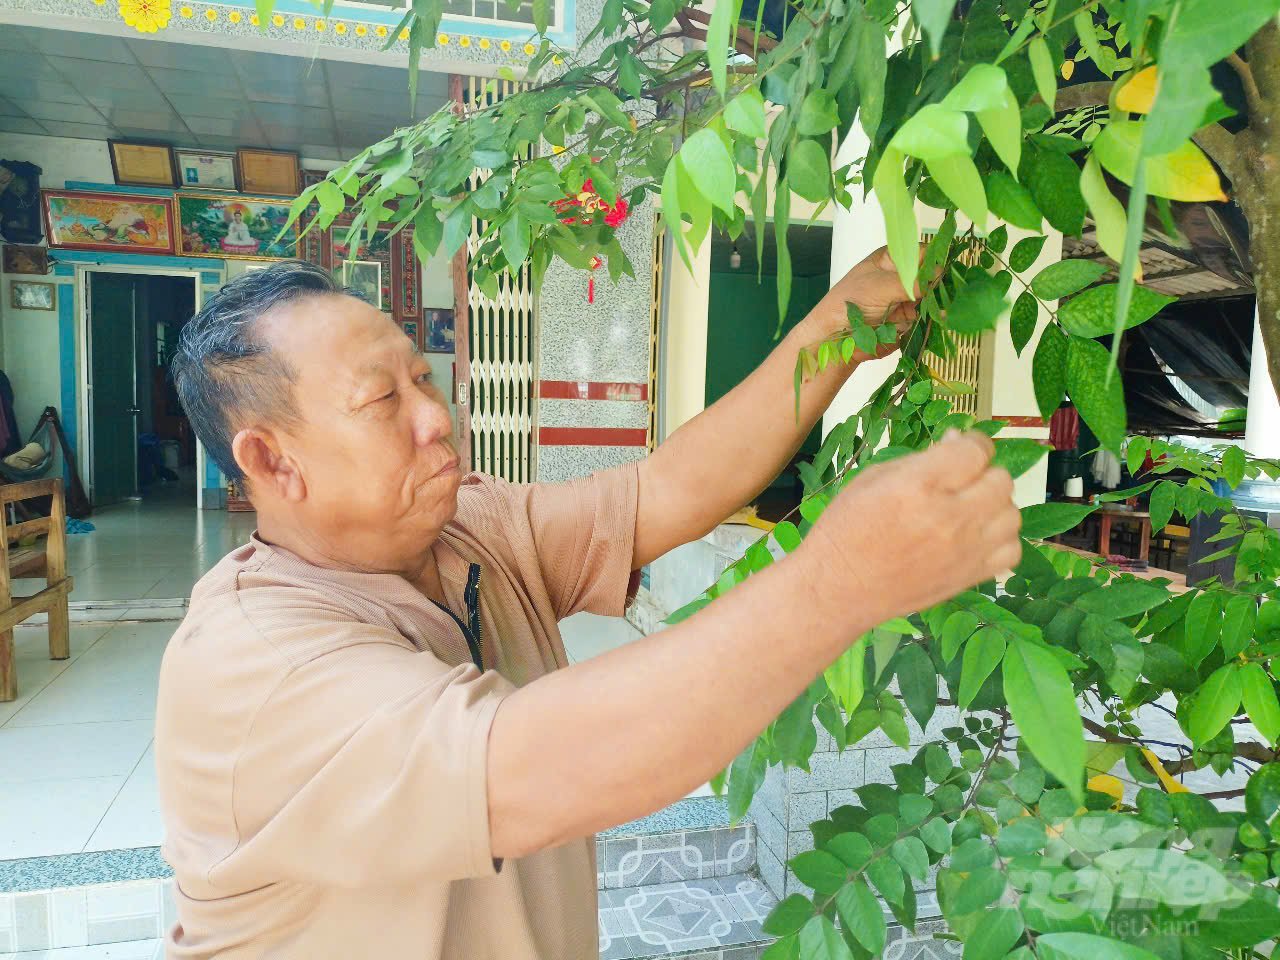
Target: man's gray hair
[225, 372]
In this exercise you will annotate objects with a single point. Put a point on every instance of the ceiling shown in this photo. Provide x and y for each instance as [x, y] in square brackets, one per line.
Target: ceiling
[809, 246]
[66, 84]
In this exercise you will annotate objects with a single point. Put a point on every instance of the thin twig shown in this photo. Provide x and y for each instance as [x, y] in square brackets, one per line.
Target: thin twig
[1252, 95]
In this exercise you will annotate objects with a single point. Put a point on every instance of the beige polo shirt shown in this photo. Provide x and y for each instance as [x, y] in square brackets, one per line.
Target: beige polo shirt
[321, 741]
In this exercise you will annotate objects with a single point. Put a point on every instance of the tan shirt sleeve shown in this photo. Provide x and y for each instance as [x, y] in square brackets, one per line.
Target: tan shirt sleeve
[365, 766]
[584, 532]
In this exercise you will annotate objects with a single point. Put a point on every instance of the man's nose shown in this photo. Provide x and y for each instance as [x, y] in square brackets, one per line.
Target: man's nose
[431, 421]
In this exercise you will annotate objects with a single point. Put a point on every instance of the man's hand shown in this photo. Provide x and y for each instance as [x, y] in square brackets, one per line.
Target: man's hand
[916, 531]
[876, 289]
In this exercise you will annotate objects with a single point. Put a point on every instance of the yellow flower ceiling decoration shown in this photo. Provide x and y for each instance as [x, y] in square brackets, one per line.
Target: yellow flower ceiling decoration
[145, 16]
[235, 16]
[321, 26]
[340, 29]
[442, 40]
[299, 23]
[361, 30]
[211, 15]
[277, 20]
[484, 43]
[186, 12]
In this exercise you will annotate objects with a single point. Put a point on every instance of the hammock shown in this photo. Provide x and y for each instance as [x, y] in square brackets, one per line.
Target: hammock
[26, 468]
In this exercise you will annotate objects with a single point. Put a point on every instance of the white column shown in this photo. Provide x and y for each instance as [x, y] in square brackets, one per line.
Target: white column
[684, 378]
[1262, 424]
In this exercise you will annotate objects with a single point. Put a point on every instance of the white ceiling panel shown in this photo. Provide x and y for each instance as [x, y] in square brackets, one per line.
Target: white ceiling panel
[79, 85]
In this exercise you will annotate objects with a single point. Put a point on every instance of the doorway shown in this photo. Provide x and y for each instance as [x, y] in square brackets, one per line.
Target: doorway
[140, 446]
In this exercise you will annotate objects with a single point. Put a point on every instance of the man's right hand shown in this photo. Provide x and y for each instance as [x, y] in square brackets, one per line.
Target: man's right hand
[914, 532]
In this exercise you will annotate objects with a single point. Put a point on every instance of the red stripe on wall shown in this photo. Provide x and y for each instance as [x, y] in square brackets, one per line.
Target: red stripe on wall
[591, 390]
[1021, 421]
[592, 436]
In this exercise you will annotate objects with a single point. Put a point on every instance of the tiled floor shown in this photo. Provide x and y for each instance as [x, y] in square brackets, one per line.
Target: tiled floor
[76, 768]
[674, 917]
[133, 950]
[156, 548]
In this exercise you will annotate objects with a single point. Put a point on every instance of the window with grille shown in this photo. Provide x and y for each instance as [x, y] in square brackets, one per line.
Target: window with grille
[490, 11]
[965, 365]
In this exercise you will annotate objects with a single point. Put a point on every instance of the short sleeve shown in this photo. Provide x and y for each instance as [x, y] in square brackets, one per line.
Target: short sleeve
[367, 765]
[584, 532]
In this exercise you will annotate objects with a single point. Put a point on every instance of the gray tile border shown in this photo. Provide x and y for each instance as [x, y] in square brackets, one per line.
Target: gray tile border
[735, 850]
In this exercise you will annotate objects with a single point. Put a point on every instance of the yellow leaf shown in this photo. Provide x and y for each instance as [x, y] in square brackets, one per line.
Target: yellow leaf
[1111, 786]
[1139, 93]
[1170, 784]
[1184, 174]
[1068, 69]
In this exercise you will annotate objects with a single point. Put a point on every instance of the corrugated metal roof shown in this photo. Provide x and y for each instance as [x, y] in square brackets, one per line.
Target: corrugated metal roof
[1163, 269]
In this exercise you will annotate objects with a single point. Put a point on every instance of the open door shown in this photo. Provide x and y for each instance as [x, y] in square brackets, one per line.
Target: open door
[113, 388]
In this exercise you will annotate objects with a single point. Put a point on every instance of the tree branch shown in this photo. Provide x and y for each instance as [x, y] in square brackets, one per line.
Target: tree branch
[1223, 148]
[743, 46]
[1081, 95]
[692, 80]
[744, 32]
[1252, 95]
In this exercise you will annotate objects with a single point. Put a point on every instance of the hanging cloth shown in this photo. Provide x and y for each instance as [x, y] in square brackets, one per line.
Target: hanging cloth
[10, 438]
[1064, 429]
[1106, 469]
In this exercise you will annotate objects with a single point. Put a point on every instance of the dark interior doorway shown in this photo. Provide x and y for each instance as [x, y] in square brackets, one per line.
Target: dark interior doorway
[141, 446]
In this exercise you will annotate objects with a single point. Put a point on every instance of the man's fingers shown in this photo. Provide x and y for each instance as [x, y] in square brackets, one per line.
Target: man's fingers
[957, 461]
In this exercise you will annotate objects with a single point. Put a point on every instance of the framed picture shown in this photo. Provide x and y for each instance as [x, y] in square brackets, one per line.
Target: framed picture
[77, 220]
[205, 169]
[438, 335]
[234, 227]
[364, 277]
[269, 171]
[31, 295]
[141, 164]
[410, 328]
[26, 258]
[368, 249]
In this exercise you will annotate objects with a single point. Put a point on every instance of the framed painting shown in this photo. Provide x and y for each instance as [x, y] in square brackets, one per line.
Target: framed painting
[141, 164]
[26, 258]
[32, 295]
[269, 171]
[122, 222]
[234, 227]
[438, 332]
[363, 277]
[205, 169]
[410, 328]
[369, 249]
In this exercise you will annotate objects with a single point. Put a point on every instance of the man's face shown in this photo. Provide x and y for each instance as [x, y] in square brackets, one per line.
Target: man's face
[374, 441]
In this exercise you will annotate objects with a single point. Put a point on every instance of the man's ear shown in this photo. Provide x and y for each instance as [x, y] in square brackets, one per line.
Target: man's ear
[266, 467]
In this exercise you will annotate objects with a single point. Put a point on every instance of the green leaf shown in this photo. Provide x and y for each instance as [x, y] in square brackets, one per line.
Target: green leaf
[1203, 626]
[809, 170]
[514, 237]
[933, 17]
[995, 935]
[817, 114]
[1025, 253]
[1163, 501]
[1049, 370]
[1238, 621]
[936, 835]
[1042, 703]
[788, 916]
[1018, 455]
[1184, 174]
[899, 212]
[1113, 647]
[1054, 181]
[977, 305]
[912, 856]
[724, 18]
[959, 179]
[1023, 320]
[1253, 922]
[958, 627]
[1108, 213]
[1216, 702]
[1262, 792]
[1168, 877]
[1044, 71]
[861, 915]
[998, 239]
[787, 536]
[1011, 201]
[264, 8]
[918, 682]
[1233, 464]
[820, 870]
[1066, 277]
[1087, 946]
[1123, 599]
[706, 160]
[1092, 314]
[1258, 692]
[820, 940]
[853, 849]
[1003, 126]
[1024, 836]
[870, 67]
[745, 114]
[1101, 403]
[1043, 520]
[887, 877]
[746, 774]
[982, 654]
[914, 808]
[983, 887]
[845, 676]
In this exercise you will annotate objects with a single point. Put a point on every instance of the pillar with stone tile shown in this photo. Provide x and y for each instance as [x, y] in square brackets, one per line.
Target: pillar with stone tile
[592, 408]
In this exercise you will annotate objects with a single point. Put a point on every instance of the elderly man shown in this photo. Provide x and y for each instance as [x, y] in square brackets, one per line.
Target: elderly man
[369, 740]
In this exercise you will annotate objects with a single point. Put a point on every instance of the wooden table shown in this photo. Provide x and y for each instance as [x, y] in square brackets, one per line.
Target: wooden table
[1107, 516]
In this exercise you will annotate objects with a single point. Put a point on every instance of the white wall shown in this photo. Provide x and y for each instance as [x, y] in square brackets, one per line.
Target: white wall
[688, 302]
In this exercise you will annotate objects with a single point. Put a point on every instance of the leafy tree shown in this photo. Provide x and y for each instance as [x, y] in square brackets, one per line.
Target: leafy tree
[1058, 673]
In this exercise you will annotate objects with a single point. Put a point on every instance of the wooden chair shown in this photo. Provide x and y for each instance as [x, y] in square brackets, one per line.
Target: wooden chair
[47, 560]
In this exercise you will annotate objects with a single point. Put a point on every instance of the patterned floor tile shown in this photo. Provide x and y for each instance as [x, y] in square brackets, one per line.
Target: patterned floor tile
[674, 917]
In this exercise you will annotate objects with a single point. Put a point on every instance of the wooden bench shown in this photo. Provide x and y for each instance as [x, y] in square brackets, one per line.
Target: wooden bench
[46, 558]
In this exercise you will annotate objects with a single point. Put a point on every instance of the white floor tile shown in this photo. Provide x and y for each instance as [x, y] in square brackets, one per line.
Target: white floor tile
[133, 819]
[587, 635]
[114, 680]
[35, 669]
[34, 825]
[72, 751]
[133, 950]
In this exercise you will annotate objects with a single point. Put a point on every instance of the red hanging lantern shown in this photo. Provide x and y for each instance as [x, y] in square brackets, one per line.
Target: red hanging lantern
[584, 209]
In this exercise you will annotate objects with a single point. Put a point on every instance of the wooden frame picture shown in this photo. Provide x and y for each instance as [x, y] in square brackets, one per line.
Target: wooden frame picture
[26, 258]
[234, 227]
[32, 295]
[364, 277]
[438, 333]
[410, 328]
[205, 169]
[273, 172]
[132, 223]
[141, 164]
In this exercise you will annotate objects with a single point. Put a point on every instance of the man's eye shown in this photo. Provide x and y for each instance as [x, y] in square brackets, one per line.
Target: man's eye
[424, 378]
